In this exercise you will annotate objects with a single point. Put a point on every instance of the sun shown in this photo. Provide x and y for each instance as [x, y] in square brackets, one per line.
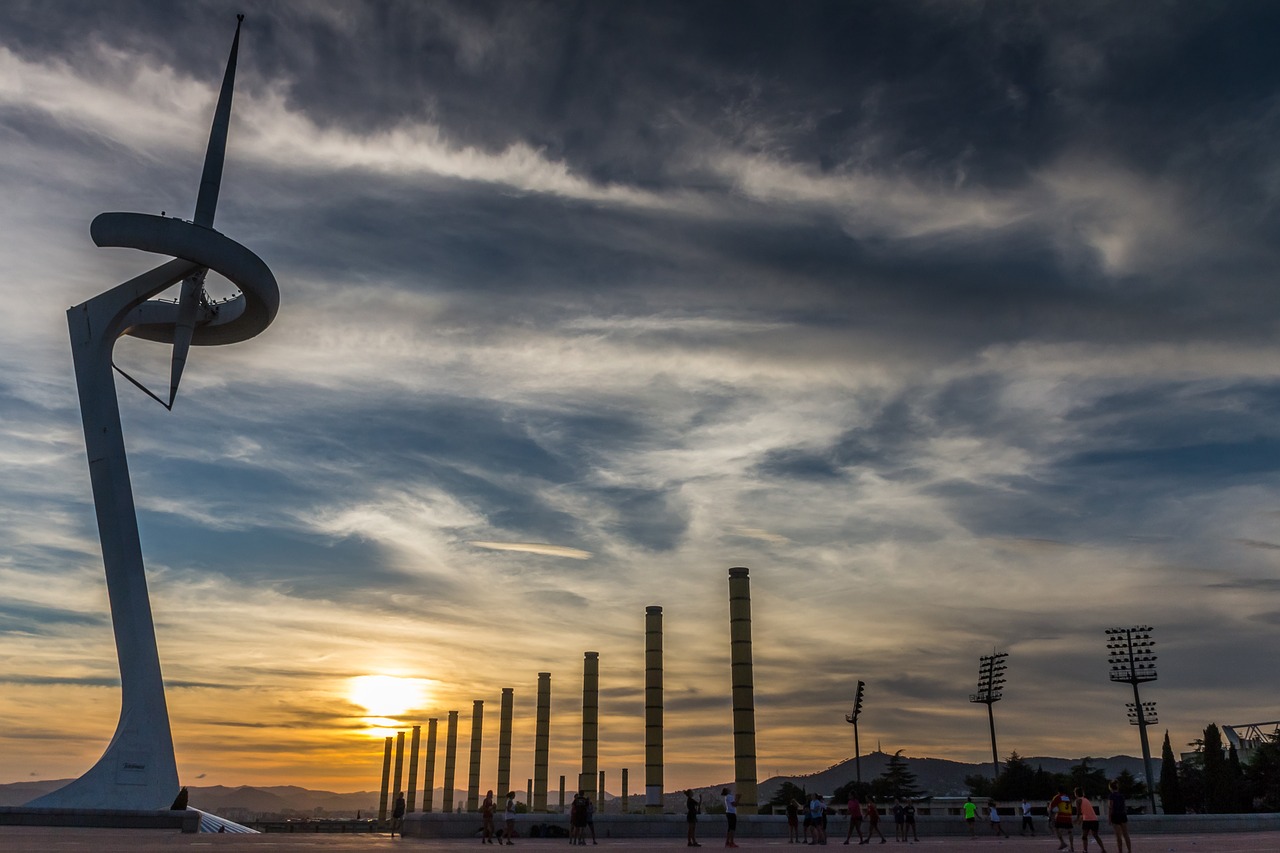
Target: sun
[387, 696]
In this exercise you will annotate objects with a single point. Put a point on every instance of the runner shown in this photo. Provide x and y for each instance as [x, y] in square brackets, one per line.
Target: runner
[873, 823]
[1088, 819]
[855, 818]
[1060, 814]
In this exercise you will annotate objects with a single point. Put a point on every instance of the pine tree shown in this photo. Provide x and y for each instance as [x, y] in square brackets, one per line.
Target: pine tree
[1219, 788]
[898, 781]
[1170, 789]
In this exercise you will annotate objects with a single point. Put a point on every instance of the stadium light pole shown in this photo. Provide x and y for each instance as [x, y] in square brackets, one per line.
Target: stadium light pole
[990, 691]
[1129, 653]
[852, 719]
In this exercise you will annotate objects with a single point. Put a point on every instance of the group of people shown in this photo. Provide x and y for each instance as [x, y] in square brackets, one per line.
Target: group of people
[582, 819]
[487, 808]
[1066, 812]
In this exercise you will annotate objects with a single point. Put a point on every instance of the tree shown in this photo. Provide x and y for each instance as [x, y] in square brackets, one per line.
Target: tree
[1129, 786]
[979, 785]
[1243, 799]
[1090, 780]
[853, 786]
[1170, 789]
[1015, 781]
[1220, 793]
[1043, 784]
[896, 780]
[1262, 776]
[786, 792]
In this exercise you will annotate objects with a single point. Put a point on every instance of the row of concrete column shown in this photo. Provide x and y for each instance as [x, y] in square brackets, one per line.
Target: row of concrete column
[744, 736]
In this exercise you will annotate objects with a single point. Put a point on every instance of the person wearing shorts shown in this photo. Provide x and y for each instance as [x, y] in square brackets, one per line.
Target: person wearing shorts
[855, 819]
[899, 821]
[909, 811]
[1118, 814]
[993, 815]
[1060, 814]
[730, 816]
[873, 823]
[1088, 819]
[971, 817]
[793, 821]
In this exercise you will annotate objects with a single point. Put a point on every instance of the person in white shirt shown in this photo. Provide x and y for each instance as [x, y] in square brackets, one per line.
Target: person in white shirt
[730, 816]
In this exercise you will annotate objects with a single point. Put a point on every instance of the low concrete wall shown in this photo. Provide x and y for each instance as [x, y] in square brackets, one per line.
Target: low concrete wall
[421, 825]
[186, 820]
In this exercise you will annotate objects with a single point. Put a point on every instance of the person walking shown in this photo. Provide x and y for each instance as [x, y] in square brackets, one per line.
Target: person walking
[486, 817]
[873, 823]
[509, 816]
[855, 818]
[1118, 814]
[730, 816]
[993, 815]
[971, 816]
[1060, 814]
[692, 807]
[1088, 819]
[1028, 825]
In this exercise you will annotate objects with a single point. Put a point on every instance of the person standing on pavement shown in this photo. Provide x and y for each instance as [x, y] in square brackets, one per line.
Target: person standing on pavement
[730, 816]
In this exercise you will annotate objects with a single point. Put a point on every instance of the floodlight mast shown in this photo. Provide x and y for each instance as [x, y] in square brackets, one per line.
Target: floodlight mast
[990, 691]
[852, 719]
[1131, 660]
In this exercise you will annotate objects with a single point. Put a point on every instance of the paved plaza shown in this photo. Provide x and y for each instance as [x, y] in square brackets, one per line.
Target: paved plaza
[22, 839]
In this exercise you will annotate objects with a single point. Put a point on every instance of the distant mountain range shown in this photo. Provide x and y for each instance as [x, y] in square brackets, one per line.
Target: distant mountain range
[935, 776]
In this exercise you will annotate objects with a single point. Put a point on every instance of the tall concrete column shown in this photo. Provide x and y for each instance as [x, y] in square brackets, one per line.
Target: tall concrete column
[473, 771]
[528, 792]
[450, 761]
[600, 794]
[386, 780]
[744, 707]
[411, 804]
[429, 771]
[590, 723]
[561, 795]
[624, 790]
[504, 742]
[399, 773]
[542, 743]
[652, 710]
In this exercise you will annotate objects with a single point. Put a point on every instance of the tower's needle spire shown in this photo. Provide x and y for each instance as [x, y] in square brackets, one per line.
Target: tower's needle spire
[206, 204]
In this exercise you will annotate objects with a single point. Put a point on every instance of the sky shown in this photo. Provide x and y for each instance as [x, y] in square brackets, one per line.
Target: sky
[954, 322]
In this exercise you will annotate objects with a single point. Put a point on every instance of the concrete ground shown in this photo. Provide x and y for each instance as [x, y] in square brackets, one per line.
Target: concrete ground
[25, 839]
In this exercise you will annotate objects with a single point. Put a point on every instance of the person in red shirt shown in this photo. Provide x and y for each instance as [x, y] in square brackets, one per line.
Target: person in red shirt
[855, 819]
[1060, 810]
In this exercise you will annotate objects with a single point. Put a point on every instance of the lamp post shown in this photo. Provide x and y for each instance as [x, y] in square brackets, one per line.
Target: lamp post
[990, 691]
[1129, 653]
[852, 719]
